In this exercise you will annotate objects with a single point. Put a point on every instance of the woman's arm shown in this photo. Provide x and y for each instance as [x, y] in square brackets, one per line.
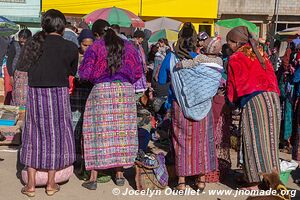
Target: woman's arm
[230, 84]
[74, 62]
[164, 70]
[134, 62]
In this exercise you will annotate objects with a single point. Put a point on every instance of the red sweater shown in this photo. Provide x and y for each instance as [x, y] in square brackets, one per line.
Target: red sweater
[246, 75]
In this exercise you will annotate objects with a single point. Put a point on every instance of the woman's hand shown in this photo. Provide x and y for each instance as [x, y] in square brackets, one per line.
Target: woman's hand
[12, 80]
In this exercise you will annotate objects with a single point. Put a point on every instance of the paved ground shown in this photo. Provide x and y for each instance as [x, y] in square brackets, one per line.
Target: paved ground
[10, 185]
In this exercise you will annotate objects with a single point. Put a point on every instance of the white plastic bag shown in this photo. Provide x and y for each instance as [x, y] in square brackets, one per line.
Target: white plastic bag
[288, 165]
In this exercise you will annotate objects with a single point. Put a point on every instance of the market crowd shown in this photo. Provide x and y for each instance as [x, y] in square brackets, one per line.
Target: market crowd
[94, 98]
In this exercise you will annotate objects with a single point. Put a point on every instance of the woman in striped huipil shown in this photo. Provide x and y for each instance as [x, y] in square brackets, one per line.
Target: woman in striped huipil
[252, 86]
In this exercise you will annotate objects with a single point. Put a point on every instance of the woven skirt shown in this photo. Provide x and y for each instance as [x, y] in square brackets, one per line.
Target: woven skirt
[47, 138]
[260, 135]
[110, 126]
[20, 88]
[221, 124]
[78, 102]
[194, 144]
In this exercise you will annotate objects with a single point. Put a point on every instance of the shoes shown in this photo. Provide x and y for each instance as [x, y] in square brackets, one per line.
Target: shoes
[27, 193]
[181, 186]
[52, 192]
[120, 181]
[90, 185]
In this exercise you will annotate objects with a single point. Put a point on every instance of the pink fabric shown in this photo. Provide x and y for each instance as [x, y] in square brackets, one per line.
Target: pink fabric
[41, 177]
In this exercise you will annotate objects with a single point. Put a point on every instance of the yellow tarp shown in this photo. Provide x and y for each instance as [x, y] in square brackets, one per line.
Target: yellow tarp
[156, 8]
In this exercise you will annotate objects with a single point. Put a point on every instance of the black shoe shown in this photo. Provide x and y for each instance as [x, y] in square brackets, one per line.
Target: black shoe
[120, 181]
[91, 185]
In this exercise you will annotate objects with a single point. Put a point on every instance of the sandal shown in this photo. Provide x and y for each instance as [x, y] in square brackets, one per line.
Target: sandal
[27, 193]
[179, 188]
[198, 181]
[52, 192]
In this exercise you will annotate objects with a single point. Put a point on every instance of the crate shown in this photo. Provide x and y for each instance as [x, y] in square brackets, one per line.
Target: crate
[9, 115]
[12, 134]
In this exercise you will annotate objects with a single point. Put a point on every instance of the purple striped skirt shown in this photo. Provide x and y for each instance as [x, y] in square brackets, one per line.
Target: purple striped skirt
[47, 138]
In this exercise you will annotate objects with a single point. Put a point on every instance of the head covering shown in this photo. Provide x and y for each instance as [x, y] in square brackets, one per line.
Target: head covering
[187, 40]
[241, 35]
[203, 36]
[139, 34]
[212, 46]
[84, 34]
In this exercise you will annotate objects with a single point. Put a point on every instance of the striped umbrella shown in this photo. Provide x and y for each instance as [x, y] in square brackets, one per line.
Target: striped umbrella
[163, 23]
[172, 36]
[7, 27]
[114, 15]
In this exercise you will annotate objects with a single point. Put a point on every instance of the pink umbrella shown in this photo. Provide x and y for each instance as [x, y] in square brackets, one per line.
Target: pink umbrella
[114, 15]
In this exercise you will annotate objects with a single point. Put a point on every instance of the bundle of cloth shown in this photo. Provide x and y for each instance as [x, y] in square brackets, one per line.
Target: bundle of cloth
[196, 81]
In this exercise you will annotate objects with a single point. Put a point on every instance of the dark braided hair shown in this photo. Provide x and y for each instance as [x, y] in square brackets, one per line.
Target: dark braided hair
[114, 44]
[31, 52]
[53, 21]
[115, 49]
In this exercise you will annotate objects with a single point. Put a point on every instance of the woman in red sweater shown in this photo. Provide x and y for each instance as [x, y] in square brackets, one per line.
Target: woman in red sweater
[252, 85]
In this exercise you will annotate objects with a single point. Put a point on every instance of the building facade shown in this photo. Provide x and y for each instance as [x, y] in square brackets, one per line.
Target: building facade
[263, 13]
[26, 13]
[201, 13]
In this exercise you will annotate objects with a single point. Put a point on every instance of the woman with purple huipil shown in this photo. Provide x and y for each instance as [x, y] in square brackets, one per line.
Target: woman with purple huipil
[110, 118]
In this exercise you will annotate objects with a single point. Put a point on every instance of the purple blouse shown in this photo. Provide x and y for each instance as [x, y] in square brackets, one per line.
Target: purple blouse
[94, 65]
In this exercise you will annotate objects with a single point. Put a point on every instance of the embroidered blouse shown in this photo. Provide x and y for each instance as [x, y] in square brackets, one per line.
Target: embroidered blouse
[94, 65]
[246, 75]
